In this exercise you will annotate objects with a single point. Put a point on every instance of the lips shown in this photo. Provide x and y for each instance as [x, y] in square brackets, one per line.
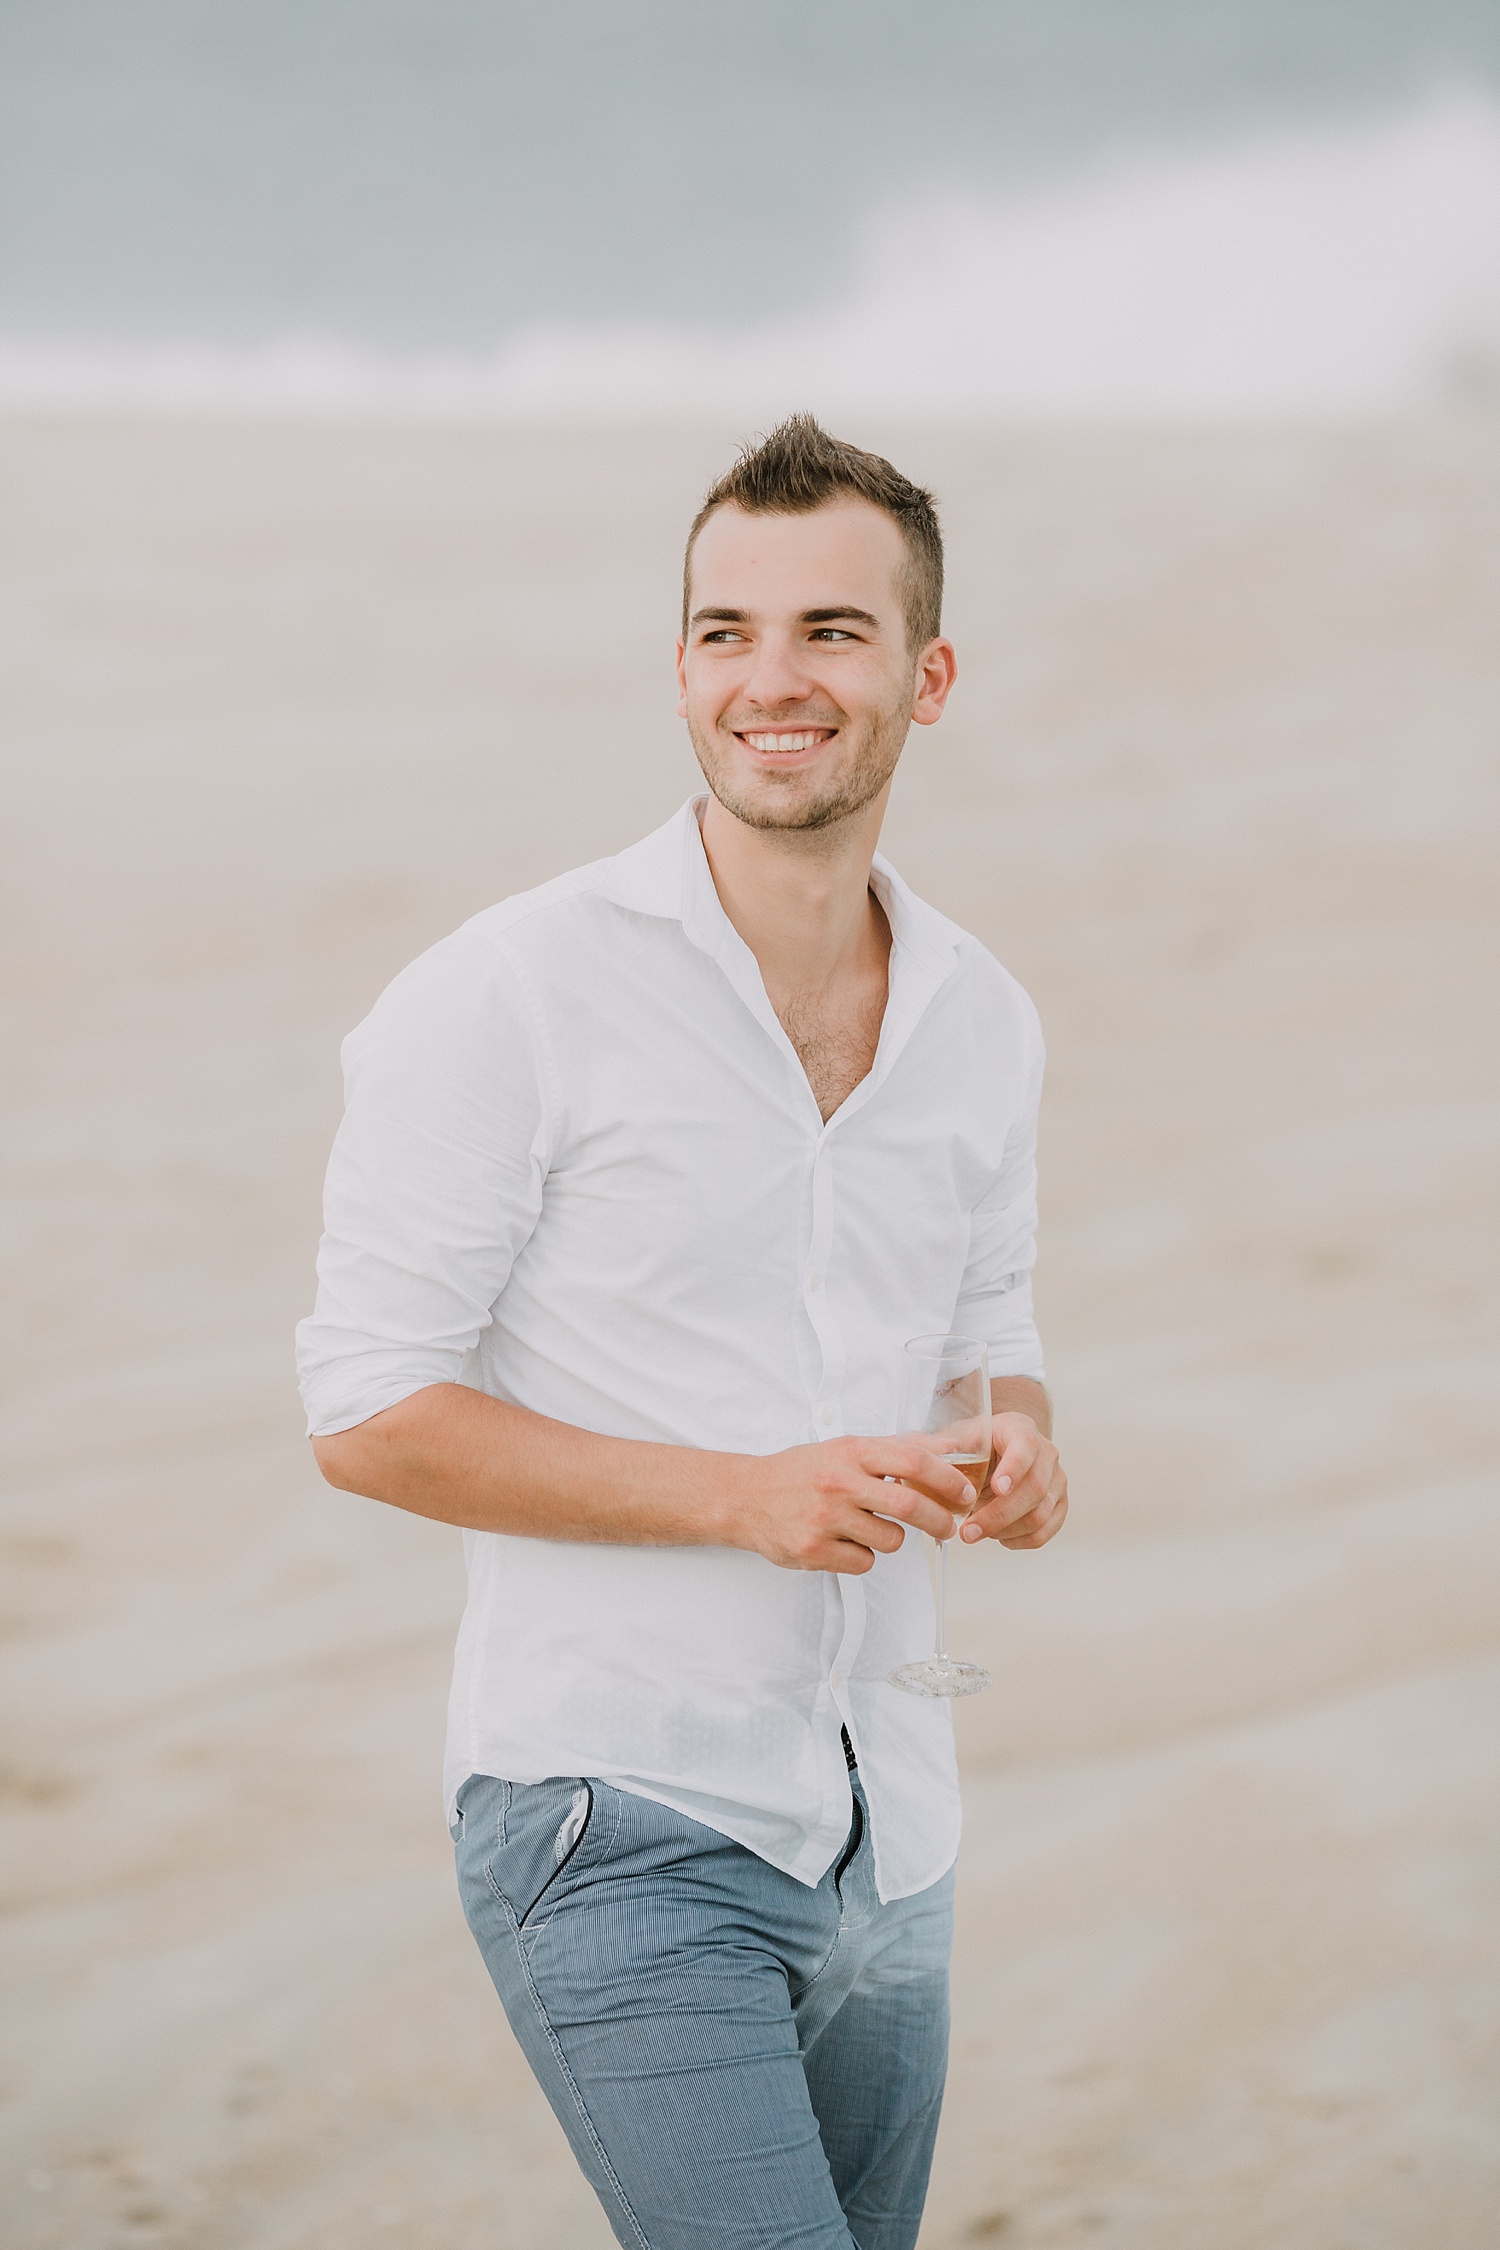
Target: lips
[785, 744]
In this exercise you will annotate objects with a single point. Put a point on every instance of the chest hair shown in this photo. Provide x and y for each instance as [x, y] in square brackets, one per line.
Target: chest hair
[835, 1039]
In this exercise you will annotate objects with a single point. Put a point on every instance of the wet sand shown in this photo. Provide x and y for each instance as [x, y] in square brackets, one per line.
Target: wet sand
[1219, 783]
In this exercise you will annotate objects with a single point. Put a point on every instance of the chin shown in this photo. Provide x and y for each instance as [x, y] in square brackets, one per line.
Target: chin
[769, 800]
[780, 807]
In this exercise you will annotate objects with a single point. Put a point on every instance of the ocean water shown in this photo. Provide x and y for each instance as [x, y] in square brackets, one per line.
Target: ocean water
[961, 208]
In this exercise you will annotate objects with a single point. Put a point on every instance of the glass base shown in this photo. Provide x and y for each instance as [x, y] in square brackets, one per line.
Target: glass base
[939, 1675]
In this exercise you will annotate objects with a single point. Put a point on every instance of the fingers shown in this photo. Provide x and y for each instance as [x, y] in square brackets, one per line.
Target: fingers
[1023, 1481]
[837, 1505]
[920, 1469]
[852, 1555]
[838, 1537]
[929, 1493]
[1026, 1461]
[1047, 1524]
[850, 1547]
[848, 1558]
[1026, 1500]
[866, 1483]
[909, 1505]
[1033, 1527]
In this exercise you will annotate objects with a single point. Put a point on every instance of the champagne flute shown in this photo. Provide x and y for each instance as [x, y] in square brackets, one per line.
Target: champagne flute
[945, 1397]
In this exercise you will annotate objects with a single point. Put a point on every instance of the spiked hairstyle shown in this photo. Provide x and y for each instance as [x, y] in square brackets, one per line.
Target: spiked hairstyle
[799, 467]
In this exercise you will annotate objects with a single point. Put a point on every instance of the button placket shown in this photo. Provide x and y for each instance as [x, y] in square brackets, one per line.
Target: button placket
[828, 1413]
[852, 1595]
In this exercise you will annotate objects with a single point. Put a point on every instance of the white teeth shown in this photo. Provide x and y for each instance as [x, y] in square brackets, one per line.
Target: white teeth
[788, 744]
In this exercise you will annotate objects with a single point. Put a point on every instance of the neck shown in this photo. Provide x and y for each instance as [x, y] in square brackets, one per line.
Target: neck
[800, 898]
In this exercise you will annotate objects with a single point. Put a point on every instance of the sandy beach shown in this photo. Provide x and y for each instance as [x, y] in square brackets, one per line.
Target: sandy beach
[286, 703]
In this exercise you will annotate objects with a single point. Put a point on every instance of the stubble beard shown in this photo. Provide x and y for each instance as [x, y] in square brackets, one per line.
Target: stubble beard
[782, 808]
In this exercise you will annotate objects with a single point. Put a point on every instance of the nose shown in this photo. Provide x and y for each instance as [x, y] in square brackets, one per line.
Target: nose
[779, 674]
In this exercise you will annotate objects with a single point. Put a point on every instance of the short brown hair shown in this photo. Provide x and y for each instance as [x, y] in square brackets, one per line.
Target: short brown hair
[799, 467]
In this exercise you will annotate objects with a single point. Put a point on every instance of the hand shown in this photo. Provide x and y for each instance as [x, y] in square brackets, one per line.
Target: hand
[826, 1507]
[1027, 1496]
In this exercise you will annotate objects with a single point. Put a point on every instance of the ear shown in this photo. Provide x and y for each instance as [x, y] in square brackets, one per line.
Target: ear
[681, 680]
[937, 669]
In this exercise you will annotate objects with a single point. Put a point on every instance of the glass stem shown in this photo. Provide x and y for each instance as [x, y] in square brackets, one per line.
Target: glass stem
[942, 1647]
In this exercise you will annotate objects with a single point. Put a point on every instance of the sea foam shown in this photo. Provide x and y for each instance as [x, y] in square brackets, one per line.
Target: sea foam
[1348, 270]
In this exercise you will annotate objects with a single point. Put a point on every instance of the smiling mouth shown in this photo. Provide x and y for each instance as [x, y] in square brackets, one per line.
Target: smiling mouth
[785, 744]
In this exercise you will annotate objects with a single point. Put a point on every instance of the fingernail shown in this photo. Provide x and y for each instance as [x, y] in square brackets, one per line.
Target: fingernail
[1002, 1484]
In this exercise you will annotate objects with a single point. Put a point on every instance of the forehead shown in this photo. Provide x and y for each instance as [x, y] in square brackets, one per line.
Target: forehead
[846, 551]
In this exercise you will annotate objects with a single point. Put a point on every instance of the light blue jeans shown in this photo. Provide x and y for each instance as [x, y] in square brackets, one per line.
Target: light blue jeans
[740, 2062]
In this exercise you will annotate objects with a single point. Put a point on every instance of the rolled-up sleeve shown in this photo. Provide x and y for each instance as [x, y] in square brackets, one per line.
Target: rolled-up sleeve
[995, 1299]
[434, 1185]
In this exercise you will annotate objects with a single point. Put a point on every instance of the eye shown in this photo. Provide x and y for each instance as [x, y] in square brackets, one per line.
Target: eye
[724, 633]
[831, 633]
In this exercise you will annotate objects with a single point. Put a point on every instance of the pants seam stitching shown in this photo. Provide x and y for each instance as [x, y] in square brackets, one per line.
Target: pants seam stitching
[571, 2082]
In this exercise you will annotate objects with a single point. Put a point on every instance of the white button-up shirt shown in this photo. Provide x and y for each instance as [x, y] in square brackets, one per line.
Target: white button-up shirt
[581, 1168]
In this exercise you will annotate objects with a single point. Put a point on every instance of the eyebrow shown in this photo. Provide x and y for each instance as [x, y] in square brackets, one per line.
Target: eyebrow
[831, 616]
[807, 616]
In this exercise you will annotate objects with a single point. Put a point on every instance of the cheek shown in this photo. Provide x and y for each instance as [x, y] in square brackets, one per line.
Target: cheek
[706, 696]
[705, 689]
[879, 704]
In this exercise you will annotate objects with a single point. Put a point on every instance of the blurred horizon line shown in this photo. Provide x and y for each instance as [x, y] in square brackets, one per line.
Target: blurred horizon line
[1349, 269]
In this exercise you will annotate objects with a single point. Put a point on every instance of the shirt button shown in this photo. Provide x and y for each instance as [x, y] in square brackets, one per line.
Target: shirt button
[835, 1677]
[815, 1282]
[826, 1416]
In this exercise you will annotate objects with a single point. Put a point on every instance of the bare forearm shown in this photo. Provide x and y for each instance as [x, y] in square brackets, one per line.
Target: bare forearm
[464, 1458]
[1018, 1394]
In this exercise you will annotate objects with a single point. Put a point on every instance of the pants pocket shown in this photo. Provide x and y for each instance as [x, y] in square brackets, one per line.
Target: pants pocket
[486, 1798]
[547, 1832]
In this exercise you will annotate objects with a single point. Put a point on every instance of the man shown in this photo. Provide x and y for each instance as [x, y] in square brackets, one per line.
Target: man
[644, 1180]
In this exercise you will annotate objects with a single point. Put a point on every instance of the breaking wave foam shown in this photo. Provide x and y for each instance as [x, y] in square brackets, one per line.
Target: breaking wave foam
[1349, 270]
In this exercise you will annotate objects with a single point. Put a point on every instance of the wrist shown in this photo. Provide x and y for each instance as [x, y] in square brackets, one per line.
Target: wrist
[726, 1497]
